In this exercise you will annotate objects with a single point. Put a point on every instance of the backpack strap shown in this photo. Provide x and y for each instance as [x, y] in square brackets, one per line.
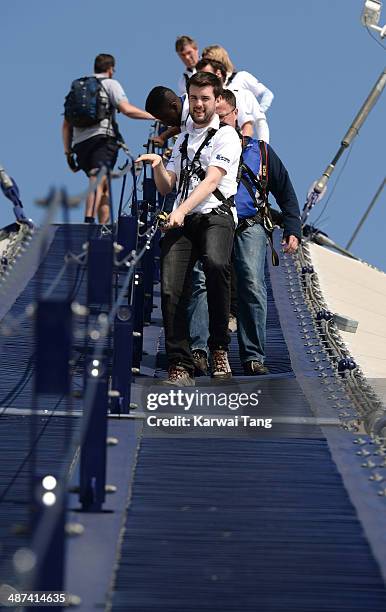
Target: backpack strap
[260, 182]
[114, 124]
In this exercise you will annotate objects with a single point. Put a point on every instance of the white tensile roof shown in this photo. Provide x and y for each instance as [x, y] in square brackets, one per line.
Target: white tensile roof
[354, 289]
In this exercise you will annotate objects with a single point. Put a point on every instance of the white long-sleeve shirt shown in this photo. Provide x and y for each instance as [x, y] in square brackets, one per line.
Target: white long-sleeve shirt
[182, 80]
[246, 80]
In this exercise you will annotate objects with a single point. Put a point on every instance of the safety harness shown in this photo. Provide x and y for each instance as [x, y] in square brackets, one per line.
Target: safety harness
[189, 169]
[245, 175]
[263, 215]
[230, 78]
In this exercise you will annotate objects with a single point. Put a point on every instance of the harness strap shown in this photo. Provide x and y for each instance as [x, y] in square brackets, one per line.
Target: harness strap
[188, 170]
[112, 120]
[261, 186]
[231, 77]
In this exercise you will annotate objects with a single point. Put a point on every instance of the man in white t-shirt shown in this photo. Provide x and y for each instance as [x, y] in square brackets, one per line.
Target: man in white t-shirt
[187, 51]
[204, 166]
[250, 115]
[98, 145]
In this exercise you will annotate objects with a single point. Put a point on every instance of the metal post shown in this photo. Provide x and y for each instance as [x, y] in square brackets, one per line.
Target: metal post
[94, 435]
[123, 325]
[353, 129]
[148, 282]
[48, 543]
[94, 439]
[139, 297]
[122, 361]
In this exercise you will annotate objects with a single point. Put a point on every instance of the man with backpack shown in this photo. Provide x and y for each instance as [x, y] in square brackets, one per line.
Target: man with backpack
[261, 172]
[204, 166]
[90, 131]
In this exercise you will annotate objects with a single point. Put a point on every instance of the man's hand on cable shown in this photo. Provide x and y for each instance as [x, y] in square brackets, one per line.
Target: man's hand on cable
[290, 244]
[158, 141]
[150, 158]
[176, 219]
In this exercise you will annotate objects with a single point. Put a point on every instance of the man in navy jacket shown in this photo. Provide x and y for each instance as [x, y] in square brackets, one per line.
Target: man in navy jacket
[249, 255]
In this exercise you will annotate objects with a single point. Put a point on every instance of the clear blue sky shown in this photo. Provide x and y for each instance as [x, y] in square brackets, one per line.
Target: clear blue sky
[313, 54]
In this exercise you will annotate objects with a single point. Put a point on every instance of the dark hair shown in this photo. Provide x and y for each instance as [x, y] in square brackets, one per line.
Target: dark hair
[205, 79]
[103, 62]
[229, 97]
[206, 61]
[158, 97]
[183, 41]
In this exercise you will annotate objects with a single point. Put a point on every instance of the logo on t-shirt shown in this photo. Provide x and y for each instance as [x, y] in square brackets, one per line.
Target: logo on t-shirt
[222, 158]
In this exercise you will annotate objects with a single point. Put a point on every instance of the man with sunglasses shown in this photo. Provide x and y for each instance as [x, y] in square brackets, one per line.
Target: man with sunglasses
[250, 247]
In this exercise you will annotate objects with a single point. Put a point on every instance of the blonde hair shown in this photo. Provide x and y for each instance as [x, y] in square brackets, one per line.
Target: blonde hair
[215, 52]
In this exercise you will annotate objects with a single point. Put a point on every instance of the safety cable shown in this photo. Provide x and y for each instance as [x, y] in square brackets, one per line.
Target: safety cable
[335, 184]
[375, 38]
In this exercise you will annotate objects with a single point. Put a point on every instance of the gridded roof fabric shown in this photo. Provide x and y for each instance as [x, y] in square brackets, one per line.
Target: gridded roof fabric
[243, 525]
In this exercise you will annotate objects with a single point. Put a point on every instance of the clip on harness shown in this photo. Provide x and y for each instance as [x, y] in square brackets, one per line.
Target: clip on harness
[263, 215]
[195, 168]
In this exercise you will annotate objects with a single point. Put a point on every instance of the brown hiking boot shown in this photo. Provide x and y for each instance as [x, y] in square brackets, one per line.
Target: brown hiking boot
[179, 376]
[220, 365]
[200, 362]
[255, 368]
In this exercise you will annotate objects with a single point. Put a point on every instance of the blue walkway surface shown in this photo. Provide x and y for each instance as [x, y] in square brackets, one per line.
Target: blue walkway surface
[252, 522]
[243, 525]
[262, 523]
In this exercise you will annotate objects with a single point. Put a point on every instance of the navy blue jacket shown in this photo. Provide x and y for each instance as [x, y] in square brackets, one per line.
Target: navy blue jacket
[279, 184]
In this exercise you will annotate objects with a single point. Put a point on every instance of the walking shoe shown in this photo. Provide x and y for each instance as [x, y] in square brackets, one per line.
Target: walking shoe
[232, 324]
[220, 365]
[179, 376]
[255, 368]
[200, 362]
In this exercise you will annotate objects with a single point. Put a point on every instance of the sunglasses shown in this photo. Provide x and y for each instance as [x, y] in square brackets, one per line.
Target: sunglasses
[226, 114]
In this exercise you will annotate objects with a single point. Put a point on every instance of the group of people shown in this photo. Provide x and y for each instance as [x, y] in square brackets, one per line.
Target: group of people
[215, 239]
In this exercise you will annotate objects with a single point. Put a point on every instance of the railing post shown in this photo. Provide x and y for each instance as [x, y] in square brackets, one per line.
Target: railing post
[53, 336]
[123, 326]
[94, 435]
[48, 543]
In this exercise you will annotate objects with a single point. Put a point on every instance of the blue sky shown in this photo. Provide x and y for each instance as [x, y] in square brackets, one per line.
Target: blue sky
[313, 54]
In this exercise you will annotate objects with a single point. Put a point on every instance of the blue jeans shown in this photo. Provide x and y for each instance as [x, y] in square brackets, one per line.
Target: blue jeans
[198, 314]
[249, 260]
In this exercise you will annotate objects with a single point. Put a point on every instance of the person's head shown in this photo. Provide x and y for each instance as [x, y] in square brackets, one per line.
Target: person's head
[226, 108]
[165, 105]
[220, 55]
[187, 51]
[104, 62]
[204, 90]
[209, 65]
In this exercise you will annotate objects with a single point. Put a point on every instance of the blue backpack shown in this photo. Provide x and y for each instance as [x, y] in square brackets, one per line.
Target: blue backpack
[85, 105]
